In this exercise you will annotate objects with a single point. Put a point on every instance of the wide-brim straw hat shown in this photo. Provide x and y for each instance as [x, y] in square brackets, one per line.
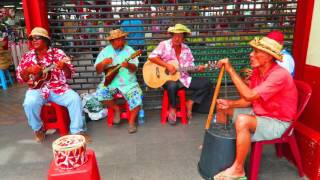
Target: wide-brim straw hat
[179, 28]
[39, 31]
[115, 34]
[268, 45]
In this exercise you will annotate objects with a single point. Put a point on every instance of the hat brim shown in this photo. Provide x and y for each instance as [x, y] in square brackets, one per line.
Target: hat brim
[40, 34]
[275, 55]
[116, 37]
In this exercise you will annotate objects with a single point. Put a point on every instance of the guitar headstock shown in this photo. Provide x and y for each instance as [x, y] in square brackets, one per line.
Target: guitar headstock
[211, 65]
[136, 54]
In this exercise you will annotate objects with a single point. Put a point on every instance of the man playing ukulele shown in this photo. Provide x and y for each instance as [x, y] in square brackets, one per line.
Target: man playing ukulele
[54, 88]
[175, 49]
[125, 81]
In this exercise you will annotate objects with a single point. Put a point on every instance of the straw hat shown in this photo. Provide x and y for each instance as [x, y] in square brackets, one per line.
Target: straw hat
[115, 34]
[39, 31]
[179, 28]
[271, 44]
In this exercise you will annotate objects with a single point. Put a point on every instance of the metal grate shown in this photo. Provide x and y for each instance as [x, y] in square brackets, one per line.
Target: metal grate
[220, 28]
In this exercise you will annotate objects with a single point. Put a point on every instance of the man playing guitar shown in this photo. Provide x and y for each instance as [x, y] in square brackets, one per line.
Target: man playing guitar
[124, 82]
[53, 88]
[175, 49]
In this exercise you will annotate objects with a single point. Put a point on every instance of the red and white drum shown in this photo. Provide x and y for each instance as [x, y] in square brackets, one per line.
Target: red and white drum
[69, 151]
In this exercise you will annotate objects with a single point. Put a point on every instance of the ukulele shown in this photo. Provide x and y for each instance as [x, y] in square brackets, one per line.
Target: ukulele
[112, 71]
[155, 75]
[36, 81]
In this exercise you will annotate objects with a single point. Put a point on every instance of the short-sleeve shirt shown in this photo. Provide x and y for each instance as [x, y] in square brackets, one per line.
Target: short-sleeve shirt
[58, 81]
[278, 93]
[166, 52]
[124, 80]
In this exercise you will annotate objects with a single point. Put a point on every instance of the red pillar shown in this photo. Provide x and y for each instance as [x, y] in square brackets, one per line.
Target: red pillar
[301, 35]
[35, 14]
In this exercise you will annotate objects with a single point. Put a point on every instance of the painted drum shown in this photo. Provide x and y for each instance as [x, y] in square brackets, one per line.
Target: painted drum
[69, 151]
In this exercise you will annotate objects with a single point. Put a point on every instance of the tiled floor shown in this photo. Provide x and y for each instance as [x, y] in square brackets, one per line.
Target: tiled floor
[156, 152]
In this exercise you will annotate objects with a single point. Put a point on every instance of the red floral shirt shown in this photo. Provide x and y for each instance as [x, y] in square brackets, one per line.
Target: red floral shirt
[58, 82]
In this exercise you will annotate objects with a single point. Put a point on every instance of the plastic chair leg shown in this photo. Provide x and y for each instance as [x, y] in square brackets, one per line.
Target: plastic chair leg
[9, 77]
[256, 151]
[295, 151]
[165, 106]
[3, 80]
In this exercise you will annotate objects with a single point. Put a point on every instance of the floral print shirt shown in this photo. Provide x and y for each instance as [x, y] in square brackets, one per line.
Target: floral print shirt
[124, 80]
[166, 52]
[58, 81]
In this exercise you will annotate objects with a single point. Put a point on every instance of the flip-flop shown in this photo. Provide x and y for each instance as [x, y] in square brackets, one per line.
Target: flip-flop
[172, 118]
[222, 176]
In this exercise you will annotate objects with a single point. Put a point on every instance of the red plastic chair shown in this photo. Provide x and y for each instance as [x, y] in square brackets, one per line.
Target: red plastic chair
[181, 113]
[123, 115]
[55, 116]
[88, 171]
[304, 93]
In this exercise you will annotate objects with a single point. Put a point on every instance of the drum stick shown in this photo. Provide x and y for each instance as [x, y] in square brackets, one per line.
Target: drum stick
[214, 99]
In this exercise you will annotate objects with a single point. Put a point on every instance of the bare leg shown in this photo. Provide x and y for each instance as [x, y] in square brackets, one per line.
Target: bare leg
[112, 104]
[133, 115]
[189, 105]
[245, 125]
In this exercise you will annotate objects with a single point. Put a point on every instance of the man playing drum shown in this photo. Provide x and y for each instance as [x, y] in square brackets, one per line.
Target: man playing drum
[266, 107]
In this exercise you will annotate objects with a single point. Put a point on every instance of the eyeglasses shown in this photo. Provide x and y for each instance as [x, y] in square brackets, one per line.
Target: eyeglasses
[35, 38]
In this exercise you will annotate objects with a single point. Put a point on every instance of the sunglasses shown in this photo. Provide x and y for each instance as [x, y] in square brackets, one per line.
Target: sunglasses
[35, 38]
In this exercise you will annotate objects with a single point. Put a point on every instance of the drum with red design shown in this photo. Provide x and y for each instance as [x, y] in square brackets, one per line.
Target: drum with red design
[69, 151]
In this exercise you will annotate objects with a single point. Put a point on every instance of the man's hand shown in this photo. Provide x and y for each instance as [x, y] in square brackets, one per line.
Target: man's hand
[171, 68]
[224, 62]
[125, 64]
[107, 61]
[201, 68]
[62, 63]
[35, 69]
[223, 104]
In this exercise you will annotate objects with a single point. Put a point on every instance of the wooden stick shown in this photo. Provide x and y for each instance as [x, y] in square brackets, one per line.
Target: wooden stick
[214, 99]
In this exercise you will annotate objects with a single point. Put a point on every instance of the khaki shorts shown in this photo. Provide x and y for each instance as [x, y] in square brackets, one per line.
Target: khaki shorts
[267, 128]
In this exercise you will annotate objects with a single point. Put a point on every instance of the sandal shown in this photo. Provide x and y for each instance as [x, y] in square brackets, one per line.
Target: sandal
[132, 129]
[172, 118]
[222, 176]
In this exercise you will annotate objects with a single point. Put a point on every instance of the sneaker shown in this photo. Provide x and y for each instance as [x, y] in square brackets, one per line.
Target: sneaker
[40, 135]
[132, 129]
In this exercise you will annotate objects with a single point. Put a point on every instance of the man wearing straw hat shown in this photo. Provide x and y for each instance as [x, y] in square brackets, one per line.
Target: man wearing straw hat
[125, 82]
[175, 49]
[267, 105]
[55, 89]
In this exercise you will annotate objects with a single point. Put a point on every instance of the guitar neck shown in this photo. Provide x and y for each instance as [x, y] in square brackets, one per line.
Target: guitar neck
[52, 66]
[187, 69]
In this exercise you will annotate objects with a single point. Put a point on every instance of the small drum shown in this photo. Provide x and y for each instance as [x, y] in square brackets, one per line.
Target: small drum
[69, 151]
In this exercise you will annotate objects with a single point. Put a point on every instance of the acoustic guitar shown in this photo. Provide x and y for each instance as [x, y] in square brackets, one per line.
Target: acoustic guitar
[156, 76]
[112, 71]
[36, 81]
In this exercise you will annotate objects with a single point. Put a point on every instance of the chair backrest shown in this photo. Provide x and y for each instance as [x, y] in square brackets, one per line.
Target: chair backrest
[304, 94]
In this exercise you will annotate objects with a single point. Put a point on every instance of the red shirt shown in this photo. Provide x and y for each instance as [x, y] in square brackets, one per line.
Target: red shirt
[278, 93]
[58, 82]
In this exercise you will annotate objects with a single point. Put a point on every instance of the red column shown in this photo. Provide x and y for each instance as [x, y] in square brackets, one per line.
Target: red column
[301, 35]
[35, 14]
